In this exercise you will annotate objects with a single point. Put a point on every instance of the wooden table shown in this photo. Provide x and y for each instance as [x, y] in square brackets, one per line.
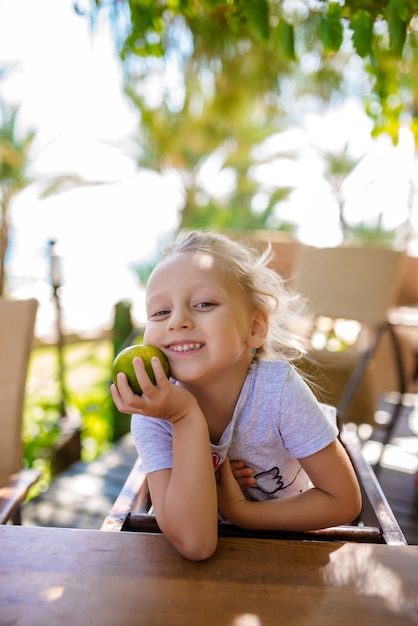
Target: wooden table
[51, 576]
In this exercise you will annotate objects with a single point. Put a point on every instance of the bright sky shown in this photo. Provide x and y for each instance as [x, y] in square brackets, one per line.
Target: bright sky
[381, 183]
[68, 84]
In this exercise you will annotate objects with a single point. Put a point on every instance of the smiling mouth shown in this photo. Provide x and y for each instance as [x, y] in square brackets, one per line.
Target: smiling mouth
[185, 347]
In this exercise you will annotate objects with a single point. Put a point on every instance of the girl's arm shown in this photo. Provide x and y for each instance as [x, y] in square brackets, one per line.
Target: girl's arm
[184, 497]
[334, 499]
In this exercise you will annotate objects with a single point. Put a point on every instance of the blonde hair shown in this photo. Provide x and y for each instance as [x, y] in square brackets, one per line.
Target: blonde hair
[264, 288]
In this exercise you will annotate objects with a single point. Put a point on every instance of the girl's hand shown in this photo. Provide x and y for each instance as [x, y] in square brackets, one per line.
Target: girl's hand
[230, 495]
[163, 400]
[243, 474]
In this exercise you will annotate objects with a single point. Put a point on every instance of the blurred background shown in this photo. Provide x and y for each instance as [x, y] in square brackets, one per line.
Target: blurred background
[122, 121]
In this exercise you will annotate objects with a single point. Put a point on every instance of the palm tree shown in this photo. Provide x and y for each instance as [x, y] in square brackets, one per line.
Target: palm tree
[14, 163]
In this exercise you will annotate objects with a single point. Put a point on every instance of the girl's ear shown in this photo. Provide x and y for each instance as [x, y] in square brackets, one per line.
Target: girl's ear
[259, 329]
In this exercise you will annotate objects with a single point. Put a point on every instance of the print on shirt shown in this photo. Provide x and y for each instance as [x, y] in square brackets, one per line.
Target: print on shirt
[272, 481]
[216, 460]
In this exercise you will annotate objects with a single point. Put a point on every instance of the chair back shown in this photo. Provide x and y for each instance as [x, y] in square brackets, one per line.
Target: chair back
[349, 282]
[283, 246]
[408, 292]
[17, 321]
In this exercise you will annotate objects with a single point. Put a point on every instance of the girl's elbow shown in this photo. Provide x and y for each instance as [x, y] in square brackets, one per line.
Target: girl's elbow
[352, 508]
[196, 542]
[357, 502]
[196, 549]
[356, 506]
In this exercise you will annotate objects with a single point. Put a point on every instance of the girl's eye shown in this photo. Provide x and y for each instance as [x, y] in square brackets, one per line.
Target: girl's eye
[159, 314]
[204, 305]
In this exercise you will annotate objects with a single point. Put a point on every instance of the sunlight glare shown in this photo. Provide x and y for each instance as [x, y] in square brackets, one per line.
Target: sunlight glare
[51, 594]
[247, 619]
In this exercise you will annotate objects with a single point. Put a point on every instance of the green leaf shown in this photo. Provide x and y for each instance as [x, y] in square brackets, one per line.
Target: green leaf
[362, 27]
[285, 37]
[258, 18]
[397, 16]
[330, 28]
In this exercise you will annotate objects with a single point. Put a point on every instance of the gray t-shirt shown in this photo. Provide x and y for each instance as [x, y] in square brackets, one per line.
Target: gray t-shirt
[276, 421]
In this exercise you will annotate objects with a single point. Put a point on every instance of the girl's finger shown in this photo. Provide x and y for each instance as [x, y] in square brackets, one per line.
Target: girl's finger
[159, 373]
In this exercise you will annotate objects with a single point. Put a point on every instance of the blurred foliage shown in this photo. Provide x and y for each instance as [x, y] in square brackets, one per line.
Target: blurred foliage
[375, 234]
[382, 35]
[207, 140]
[214, 81]
[87, 373]
[122, 325]
[207, 85]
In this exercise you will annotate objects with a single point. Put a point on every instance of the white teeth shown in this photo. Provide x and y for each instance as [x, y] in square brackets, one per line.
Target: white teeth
[186, 346]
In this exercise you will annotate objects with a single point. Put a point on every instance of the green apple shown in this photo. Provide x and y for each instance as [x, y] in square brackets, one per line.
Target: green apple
[123, 363]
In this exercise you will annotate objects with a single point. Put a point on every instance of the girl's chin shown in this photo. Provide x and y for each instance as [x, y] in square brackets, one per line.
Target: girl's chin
[187, 378]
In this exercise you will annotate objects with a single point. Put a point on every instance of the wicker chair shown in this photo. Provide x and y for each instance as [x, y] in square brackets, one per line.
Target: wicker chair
[17, 320]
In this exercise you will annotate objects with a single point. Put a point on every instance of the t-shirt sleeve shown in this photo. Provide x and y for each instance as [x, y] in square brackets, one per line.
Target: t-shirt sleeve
[306, 425]
[153, 441]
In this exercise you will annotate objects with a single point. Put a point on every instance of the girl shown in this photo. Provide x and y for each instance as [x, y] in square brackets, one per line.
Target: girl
[236, 414]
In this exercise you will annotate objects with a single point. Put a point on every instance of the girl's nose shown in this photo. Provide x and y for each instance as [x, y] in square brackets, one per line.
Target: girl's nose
[179, 320]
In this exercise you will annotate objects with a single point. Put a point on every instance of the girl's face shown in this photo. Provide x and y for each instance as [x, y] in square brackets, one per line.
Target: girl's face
[199, 317]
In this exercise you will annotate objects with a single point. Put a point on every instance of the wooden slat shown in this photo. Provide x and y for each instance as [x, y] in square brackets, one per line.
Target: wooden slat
[145, 522]
[134, 495]
[13, 494]
[376, 508]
